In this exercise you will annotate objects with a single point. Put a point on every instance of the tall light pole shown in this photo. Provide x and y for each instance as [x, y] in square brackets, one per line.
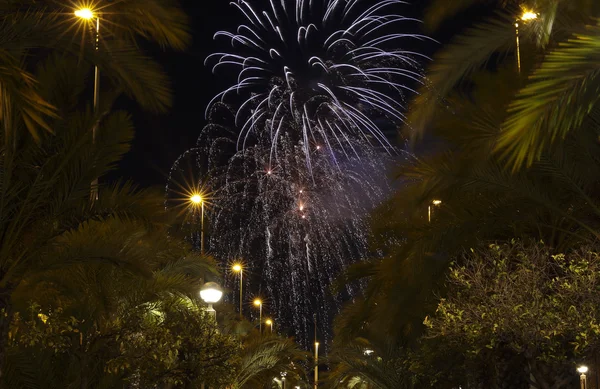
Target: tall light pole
[582, 378]
[434, 202]
[525, 17]
[316, 354]
[269, 322]
[316, 365]
[258, 303]
[88, 14]
[238, 268]
[196, 200]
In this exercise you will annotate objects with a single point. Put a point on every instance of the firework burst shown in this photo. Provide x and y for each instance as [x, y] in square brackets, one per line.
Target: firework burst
[333, 68]
[296, 150]
[295, 228]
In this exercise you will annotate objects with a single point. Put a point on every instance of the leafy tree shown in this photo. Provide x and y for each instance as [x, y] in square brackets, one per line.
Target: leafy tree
[521, 298]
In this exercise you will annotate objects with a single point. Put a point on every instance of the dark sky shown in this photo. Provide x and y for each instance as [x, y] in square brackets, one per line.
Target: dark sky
[160, 139]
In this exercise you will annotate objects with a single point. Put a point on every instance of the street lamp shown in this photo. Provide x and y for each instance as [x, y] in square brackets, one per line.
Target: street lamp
[196, 199]
[258, 303]
[316, 365]
[269, 322]
[434, 202]
[211, 293]
[89, 15]
[238, 268]
[582, 378]
[525, 17]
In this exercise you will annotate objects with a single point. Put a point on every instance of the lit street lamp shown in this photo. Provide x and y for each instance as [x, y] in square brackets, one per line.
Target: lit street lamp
[434, 202]
[527, 16]
[258, 303]
[238, 268]
[269, 322]
[89, 15]
[316, 365]
[211, 293]
[582, 378]
[196, 199]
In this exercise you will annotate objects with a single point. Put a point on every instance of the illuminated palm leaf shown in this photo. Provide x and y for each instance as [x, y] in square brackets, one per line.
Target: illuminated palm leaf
[561, 94]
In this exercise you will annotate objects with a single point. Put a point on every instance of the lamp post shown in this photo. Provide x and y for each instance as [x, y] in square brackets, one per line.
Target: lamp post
[238, 268]
[316, 365]
[196, 199]
[525, 17]
[211, 293]
[582, 378]
[434, 202]
[88, 14]
[258, 303]
[269, 322]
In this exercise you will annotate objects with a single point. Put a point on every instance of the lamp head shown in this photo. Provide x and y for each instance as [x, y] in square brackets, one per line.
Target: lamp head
[211, 293]
[236, 267]
[257, 302]
[582, 369]
[269, 322]
[528, 15]
[84, 13]
[436, 202]
[196, 198]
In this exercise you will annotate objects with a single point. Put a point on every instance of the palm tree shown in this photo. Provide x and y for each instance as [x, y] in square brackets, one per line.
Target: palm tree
[153, 287]
[27, 25]
[553, 201]
[264, 357]
[46, 218]
[364, 364]
[560, 68]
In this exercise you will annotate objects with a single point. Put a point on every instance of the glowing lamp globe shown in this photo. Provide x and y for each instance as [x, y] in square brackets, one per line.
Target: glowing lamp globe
[211, 293]
[237, 268]
[528, 15]
[582, 369]
[196, 199]
[84, 13]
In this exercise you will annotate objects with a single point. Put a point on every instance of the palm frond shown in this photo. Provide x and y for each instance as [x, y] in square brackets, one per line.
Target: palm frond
[559, 96]
[466, 54]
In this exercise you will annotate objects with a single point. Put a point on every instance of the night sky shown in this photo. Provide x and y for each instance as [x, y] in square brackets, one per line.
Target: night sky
[160, 139]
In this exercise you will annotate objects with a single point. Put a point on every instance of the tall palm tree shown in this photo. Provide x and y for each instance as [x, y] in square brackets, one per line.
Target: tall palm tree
[27, 25]
[559, 75]
[46, 218]
[554, 201]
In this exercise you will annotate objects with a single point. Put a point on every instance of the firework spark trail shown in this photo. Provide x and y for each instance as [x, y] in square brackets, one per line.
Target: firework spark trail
[295, 228]
[311, 64]
[296, 148]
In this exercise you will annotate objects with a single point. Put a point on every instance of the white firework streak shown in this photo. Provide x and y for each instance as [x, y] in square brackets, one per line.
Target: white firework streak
[312, 54]
[302, 160]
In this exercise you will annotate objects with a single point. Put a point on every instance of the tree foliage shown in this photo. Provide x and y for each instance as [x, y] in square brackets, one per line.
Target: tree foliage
[539, 305]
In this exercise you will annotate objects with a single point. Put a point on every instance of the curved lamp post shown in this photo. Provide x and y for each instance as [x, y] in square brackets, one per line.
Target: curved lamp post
[269, 322]
[258, 303]
[211, 293]
[582, 378]
[90, 15]
[238, 268]
[196, 199]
